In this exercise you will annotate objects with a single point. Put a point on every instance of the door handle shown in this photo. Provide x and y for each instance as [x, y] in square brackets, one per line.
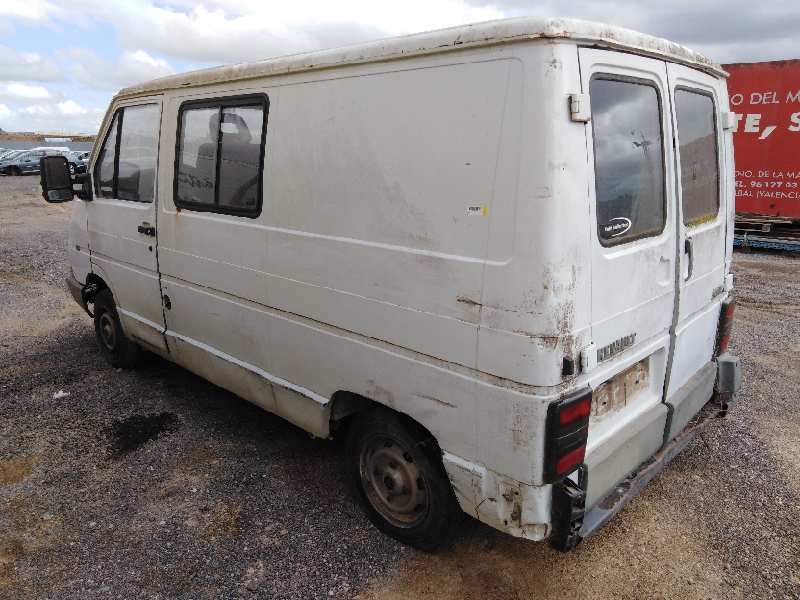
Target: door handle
[147, 229]
[688, 249]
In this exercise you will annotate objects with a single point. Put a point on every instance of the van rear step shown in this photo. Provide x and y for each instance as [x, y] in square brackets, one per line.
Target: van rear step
[571, 523]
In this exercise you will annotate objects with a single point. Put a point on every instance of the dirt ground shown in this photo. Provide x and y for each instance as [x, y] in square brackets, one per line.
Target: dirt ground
[153, 483]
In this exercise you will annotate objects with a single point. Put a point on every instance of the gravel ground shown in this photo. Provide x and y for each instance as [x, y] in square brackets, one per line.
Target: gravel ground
[153, 483]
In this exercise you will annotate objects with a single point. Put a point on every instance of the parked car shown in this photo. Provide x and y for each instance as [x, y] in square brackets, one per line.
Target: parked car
[496, 258]
[8, 154]
[27, 161]
[80, 160]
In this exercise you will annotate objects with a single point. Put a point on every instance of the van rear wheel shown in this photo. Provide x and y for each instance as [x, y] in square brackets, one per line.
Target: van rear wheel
[117, 349]
[398, 479]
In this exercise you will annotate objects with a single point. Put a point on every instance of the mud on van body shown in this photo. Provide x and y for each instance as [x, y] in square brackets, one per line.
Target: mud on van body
[495, 257]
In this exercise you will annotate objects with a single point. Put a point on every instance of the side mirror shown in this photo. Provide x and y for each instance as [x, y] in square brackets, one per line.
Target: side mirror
[56, 180]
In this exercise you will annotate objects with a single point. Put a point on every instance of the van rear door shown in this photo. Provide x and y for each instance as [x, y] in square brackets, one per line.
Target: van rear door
[703, 152]
[634, 253]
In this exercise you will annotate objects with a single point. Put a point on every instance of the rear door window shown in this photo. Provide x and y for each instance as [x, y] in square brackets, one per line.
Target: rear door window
[629, 159]
[697, 144]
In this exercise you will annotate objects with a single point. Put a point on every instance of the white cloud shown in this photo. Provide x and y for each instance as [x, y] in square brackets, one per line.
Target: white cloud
[30, 10]
[132, 67]
[66, 116]
[24, 91]
[65, 108]
[143, 58]
[218, 31]
[26, 66]
[70, 107]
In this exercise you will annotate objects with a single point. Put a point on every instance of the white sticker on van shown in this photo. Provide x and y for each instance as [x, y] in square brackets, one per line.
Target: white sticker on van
[617, 226]
[478, 211]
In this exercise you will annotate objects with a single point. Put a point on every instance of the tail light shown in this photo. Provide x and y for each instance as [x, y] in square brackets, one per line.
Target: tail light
[567, 431]
[725, 326]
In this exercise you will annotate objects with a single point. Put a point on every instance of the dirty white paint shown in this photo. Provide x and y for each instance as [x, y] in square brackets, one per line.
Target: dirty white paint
[427, 240]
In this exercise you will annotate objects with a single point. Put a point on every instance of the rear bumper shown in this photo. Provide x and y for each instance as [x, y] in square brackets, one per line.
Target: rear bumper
[635, 483]
[572, 522]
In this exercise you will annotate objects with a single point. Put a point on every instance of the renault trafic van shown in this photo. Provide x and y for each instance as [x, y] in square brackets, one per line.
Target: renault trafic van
[496, 258]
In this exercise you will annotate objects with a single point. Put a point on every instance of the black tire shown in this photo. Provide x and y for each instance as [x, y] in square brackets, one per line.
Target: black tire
[14, 171]
[117, 349]
[385, 453]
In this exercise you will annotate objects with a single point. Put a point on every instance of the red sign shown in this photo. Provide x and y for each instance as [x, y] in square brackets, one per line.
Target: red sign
[766, 99]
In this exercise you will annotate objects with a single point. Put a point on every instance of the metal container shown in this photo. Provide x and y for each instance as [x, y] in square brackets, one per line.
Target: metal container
[766, 99]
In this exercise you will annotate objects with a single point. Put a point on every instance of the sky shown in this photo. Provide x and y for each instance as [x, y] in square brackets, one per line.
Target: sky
[61, 61]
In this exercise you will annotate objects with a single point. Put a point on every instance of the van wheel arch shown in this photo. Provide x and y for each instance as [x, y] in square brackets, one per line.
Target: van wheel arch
[345, 406]
[94, 285]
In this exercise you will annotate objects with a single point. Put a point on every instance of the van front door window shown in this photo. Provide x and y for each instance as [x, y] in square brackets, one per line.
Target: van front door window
[126, 166]
[138, 146]
[104, 169]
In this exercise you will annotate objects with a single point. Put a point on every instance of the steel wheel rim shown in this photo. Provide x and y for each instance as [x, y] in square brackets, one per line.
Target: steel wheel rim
[393, 483]
[108, 332]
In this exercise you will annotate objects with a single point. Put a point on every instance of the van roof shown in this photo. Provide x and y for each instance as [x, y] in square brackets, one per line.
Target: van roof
[442, 40]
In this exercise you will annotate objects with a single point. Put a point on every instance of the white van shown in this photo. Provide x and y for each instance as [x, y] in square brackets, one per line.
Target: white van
[495, 257]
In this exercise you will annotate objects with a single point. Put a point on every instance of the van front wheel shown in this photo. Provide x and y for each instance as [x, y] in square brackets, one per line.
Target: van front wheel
[399, 480]
[117, 349]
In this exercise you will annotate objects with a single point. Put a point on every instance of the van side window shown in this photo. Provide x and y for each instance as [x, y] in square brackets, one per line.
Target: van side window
[628, 159]
[126, 166]
[220, 155]
[697, 143]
